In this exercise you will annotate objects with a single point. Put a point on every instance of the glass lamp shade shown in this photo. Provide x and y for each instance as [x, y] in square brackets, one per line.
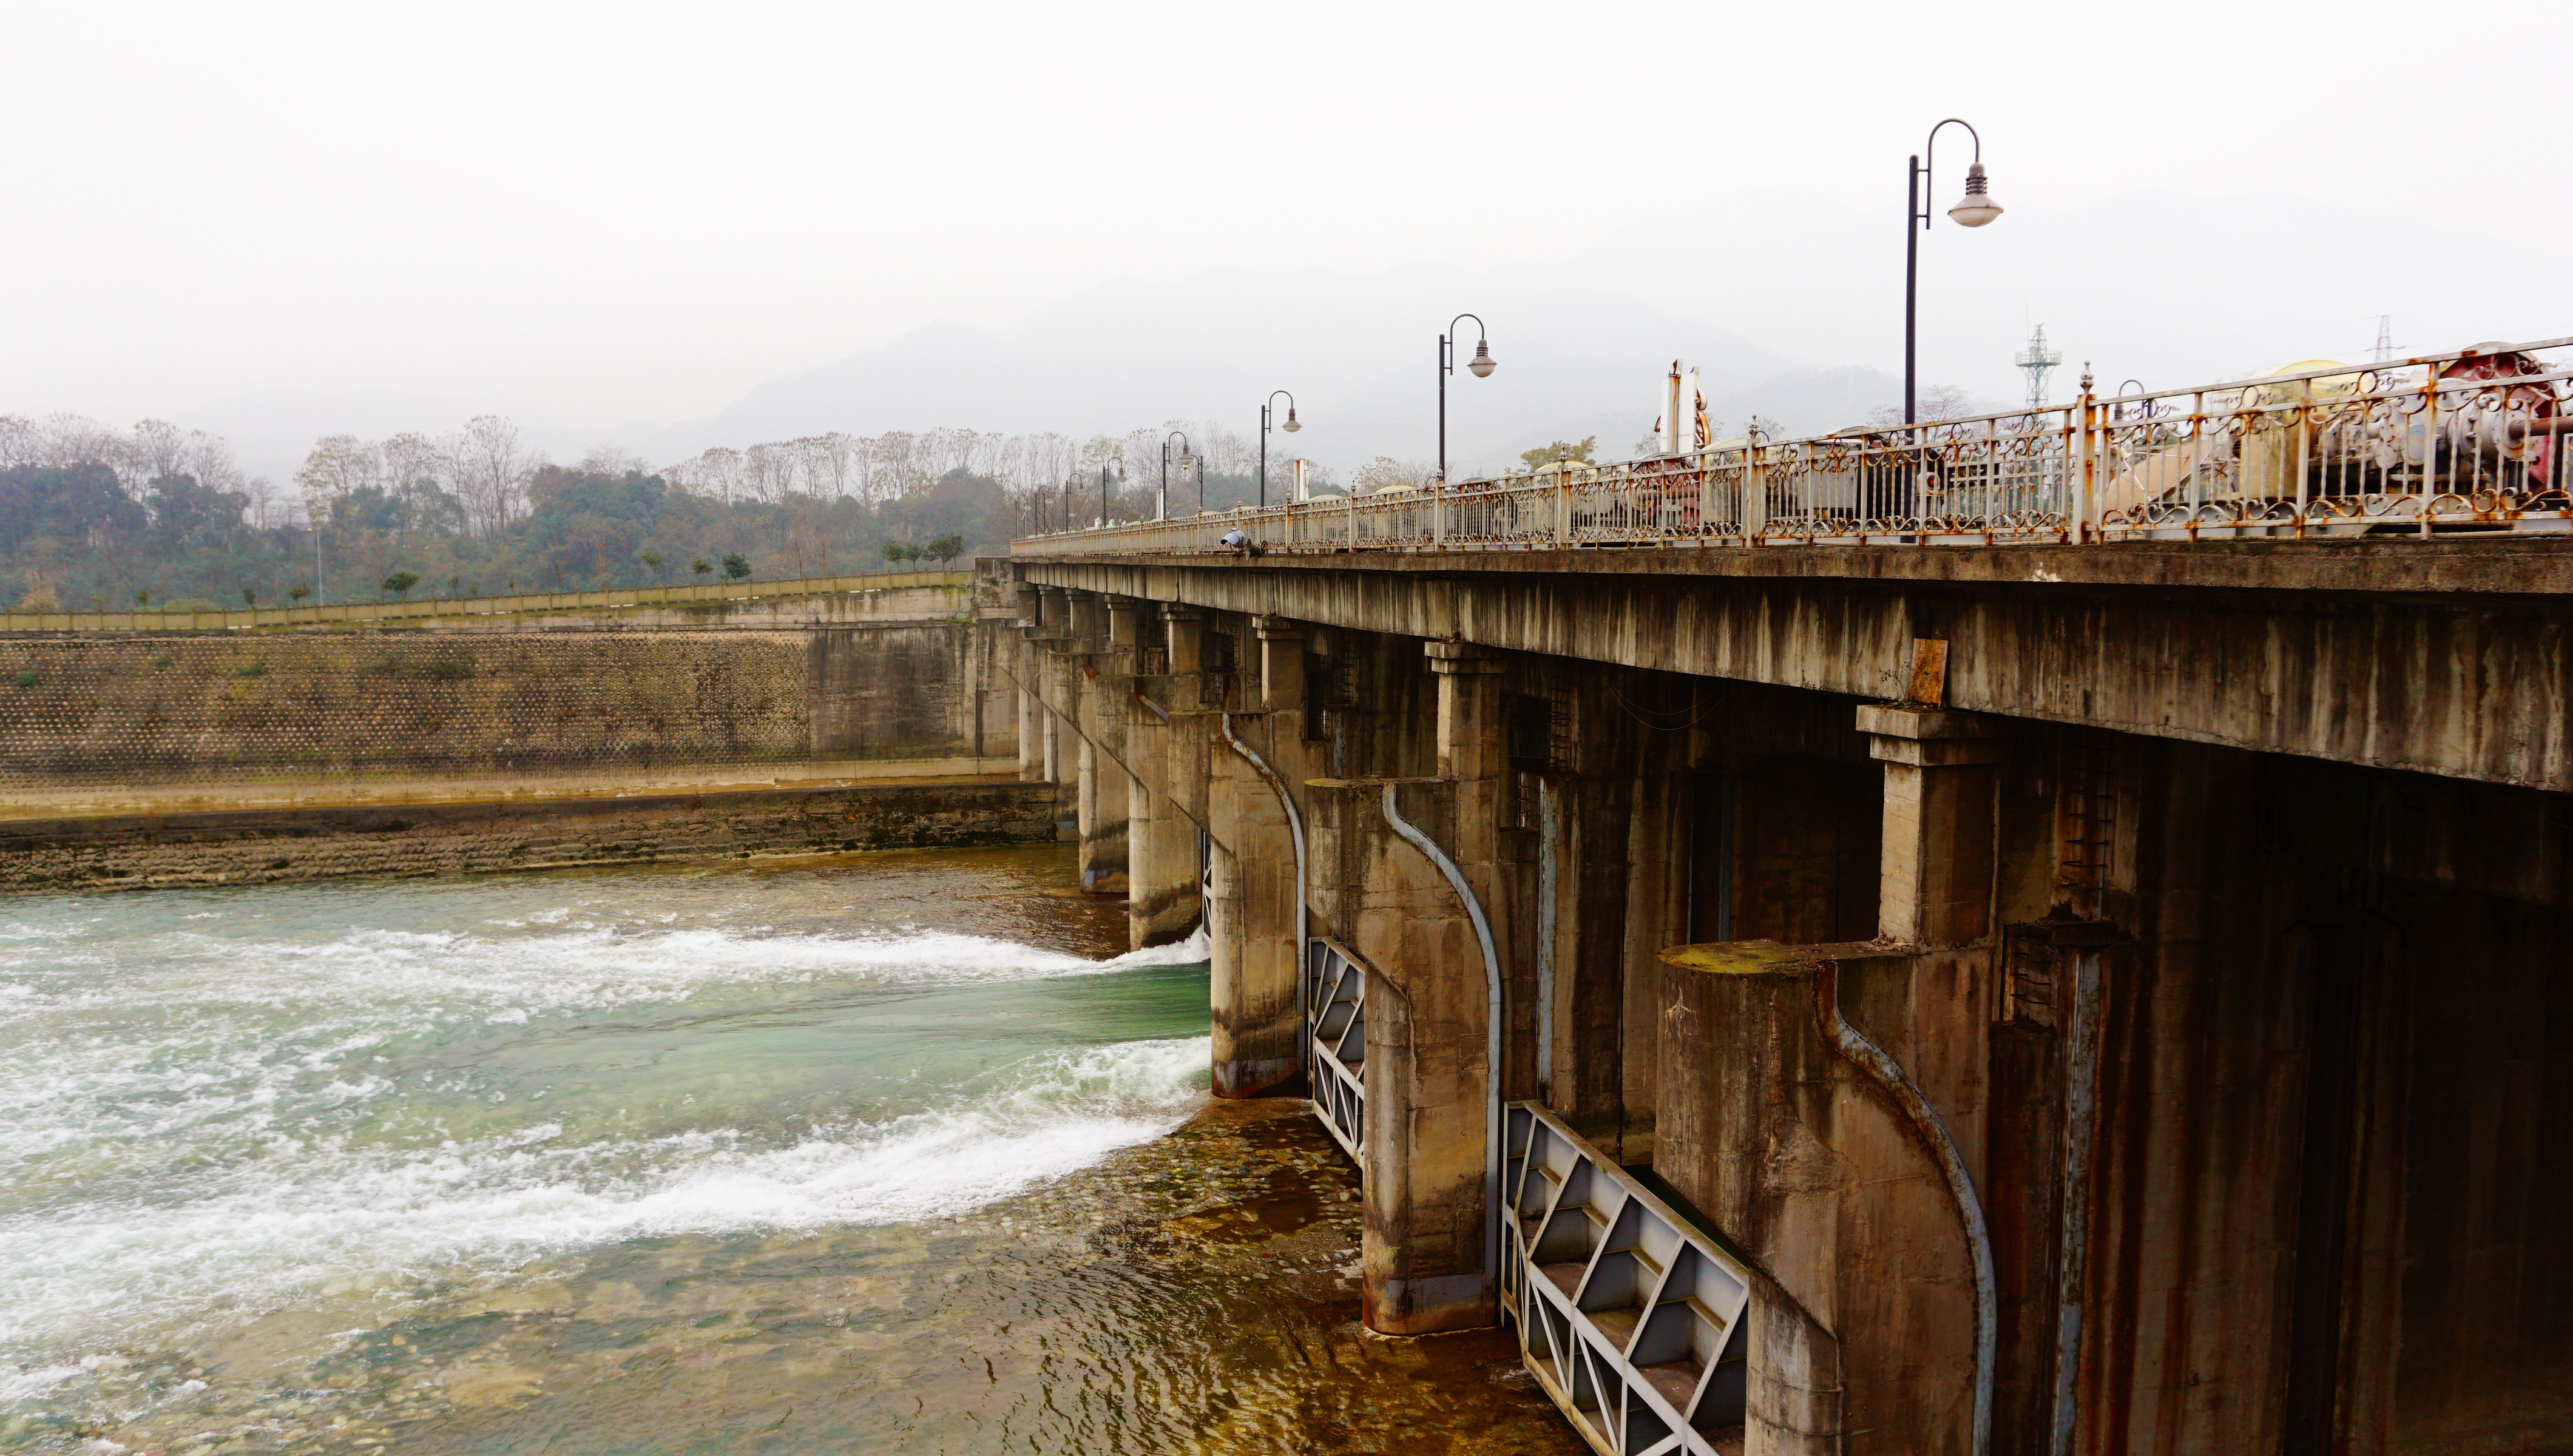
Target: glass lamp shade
[1483, 364]
[1290, 427]
[1978, 207]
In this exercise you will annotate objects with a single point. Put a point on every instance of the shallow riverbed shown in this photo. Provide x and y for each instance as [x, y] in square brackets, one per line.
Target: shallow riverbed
[879, 1153]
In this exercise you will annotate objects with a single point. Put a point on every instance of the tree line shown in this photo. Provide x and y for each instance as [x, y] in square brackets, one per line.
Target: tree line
[96, 518]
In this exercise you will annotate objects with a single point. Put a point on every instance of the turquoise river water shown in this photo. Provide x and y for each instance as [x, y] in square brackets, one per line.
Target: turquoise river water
[885, 1153]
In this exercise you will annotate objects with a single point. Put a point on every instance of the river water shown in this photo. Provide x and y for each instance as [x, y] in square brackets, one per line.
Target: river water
[873, 1153]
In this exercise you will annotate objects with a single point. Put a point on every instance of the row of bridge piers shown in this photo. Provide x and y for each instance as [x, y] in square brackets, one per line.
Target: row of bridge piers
[1994, 1084]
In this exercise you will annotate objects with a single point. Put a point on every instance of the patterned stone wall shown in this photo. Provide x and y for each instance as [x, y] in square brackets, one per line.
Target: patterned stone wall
[201, 708]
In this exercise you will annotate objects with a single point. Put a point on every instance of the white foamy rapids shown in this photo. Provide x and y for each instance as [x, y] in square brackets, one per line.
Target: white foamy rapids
[212, 1031]
[278, 1228]
[579, 969]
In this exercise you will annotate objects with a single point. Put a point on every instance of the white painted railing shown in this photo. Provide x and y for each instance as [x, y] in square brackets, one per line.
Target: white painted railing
[1629, 1317]
[2472, 441]
[1336, 1042]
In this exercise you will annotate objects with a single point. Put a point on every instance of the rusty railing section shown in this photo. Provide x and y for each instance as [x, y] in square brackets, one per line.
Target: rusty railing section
[2472, 441]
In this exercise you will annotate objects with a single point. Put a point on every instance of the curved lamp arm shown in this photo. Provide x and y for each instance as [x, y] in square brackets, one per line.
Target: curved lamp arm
[1482, 337]
[1930, 157]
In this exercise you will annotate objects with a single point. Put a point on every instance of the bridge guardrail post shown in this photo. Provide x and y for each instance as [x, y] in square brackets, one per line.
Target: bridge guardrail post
[2085, 519]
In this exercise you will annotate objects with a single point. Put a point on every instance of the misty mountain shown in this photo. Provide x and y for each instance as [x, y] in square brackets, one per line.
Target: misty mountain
[1358, 354]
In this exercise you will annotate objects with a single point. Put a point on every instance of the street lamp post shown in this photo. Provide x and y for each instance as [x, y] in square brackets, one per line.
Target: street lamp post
[1975, 211]
[1103, 487]
[1161, 509]
[1290, 427]
[1481, 365]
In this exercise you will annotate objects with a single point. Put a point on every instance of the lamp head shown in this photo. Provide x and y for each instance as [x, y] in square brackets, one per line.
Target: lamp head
[1290, 427]
[1978, 207]
[1482, 365]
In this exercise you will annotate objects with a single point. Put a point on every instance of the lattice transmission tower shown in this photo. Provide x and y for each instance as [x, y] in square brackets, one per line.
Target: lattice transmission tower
[2039, 361]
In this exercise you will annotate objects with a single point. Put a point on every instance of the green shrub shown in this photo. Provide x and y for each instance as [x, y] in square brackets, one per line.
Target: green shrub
[251, 670]
[27, 677]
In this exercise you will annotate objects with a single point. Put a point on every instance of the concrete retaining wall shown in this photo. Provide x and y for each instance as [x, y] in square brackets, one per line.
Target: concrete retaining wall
[140, 710]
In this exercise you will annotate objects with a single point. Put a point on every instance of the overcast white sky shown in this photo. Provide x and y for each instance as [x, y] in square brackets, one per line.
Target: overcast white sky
[603, 213]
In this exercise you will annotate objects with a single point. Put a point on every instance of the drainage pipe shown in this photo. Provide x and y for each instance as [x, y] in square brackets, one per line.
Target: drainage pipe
[1941, 1145]
[1295, 826]
[1491, 1036]
[1549, 819]
[2081, 1123]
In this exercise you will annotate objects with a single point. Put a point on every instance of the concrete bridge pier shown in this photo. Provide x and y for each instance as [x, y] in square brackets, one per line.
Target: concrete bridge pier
[1162, 873]
[1031, 753]
[1607, 856]
[1053, 625]
[1167, 751]
[1097, 678]
[1824, 1103]
[1251, 936]
[1425, 1249]
[1257, 856]
[1408, 874]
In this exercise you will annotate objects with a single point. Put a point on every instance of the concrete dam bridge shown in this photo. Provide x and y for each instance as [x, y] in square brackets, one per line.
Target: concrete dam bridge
[2043, 934]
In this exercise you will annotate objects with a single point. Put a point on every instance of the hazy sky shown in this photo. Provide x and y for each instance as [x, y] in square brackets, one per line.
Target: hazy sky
[601, 213]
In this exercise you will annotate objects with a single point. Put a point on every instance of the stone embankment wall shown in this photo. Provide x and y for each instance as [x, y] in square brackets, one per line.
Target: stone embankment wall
[140, 710]
[518, 734]
[252, 847]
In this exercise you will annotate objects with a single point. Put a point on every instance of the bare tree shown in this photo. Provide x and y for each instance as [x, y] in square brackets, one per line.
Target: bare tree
[839, 460]
[613, 460]
[896, 458]
[157, 448]
[769, 471]
[21, 442]
[489, 466]
[335, 465]
[1384, 473]
[717, 472]
[1938, 401]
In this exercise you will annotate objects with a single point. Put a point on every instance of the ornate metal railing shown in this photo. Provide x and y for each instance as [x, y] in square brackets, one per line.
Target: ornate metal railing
[1336, 1042]
[1630, 1318]
[2470, 441]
